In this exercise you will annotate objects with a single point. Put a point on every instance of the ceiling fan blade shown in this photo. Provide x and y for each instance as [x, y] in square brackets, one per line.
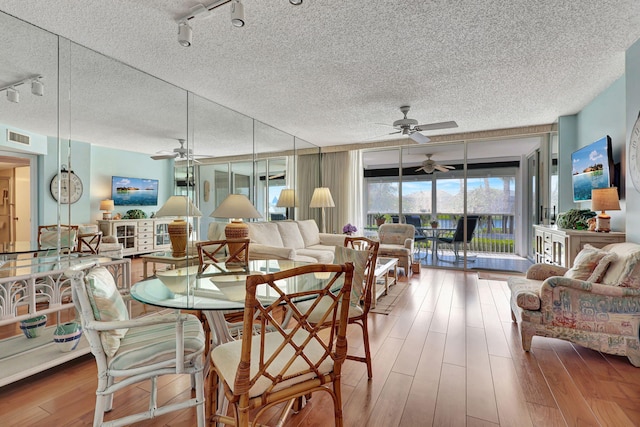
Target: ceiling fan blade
[164, 156]
[441, 168]
[436, 126]
[419, 138]
[421, 169]
[384, 124]
[448, 166]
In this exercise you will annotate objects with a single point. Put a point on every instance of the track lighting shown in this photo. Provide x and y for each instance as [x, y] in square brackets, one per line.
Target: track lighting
[204, 11]
[37, 88]
[184, 34]
[237, 13]
[13, 95]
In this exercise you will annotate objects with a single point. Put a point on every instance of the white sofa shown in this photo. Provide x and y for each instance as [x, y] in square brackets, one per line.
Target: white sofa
[292, 240]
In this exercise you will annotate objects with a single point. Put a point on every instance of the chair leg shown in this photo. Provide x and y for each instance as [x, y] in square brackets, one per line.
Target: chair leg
[337, 402]
[367, 349]
[98, 415]
[200, 409]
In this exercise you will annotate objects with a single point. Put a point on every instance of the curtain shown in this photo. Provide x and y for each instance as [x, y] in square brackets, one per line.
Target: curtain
[336, 176]
[307, 180]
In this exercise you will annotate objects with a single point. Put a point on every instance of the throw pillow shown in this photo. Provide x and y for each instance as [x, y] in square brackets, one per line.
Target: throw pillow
[108, 305]
[630, 277]
[585, 263]
[602, 267]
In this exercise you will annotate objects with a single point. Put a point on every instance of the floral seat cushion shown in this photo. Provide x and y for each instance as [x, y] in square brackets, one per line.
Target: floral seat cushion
[526, 292]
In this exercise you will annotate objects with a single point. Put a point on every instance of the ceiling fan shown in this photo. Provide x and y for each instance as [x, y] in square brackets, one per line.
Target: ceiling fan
[180, 153]
[407, 126]
[429, 166]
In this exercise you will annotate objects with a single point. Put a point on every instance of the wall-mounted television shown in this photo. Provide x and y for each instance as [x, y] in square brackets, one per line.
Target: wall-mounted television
[127, 191]
[592, 168]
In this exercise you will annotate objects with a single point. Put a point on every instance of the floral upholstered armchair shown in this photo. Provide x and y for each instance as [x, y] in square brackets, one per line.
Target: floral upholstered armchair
[595, 304]
[396, 241]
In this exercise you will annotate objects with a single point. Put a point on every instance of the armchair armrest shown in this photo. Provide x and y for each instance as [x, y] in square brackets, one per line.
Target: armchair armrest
[408, 243]
[544, 271]
[587, 287]
[331, 239]
[258, 251]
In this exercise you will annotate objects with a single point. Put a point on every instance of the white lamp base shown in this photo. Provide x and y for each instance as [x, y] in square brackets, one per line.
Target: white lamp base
[106, 215]
[603, 223]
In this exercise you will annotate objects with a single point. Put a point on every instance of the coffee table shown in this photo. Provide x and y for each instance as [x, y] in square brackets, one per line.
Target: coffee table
[167, 258]
[383, 278]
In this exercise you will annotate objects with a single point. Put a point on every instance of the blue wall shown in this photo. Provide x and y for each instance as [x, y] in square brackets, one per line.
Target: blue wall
[605, 115]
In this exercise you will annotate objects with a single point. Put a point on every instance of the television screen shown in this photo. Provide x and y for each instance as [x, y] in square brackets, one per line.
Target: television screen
[592, 168]
[134, 191]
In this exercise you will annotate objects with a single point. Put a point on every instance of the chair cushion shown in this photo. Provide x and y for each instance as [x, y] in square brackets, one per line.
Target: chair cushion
[226, 358]
[586, 262]
[107, 305]
[393, 251]
[146, 345]
[526, 292]
[359, 260]
[310, 232]
[290, 234]
[265, 233]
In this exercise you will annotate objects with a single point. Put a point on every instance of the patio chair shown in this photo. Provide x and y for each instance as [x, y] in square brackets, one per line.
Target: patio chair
[260, 371]
[135, 350]
[419, 238]
[459, 237]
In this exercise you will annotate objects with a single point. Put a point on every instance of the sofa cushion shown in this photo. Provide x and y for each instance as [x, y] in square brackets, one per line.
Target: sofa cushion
[323, 257]
[290, 234]
[586, 262]
[630, 277]
[265, 233]
[628, 255]
[526, 292]
[310, 232]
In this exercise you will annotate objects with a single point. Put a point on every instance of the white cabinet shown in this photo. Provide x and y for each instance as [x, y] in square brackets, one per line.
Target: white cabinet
[139, 236]
[30, 288]
[560, 246]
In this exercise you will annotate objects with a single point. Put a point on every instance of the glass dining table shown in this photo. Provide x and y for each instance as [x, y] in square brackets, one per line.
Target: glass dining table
[433, 234]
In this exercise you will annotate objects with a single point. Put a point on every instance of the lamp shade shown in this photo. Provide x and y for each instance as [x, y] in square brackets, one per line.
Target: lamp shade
[605, 199]
[321, 198]
[236, 206]
[178, 206]
[287, 199]
[107, 205]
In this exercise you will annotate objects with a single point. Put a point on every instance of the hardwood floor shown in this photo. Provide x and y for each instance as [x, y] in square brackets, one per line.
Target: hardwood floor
[447, 355]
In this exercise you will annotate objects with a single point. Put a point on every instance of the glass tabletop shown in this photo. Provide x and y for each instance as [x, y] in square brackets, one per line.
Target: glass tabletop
[44, 263]
[225, 289]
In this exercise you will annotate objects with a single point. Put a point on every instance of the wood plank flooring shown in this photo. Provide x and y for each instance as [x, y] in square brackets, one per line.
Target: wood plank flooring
[447, 355]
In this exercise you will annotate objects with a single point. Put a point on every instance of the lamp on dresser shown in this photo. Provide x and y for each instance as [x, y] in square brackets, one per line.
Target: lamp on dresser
[604, 199]
[179, 229]
[236, 207]
[322, 199]
[107, 206]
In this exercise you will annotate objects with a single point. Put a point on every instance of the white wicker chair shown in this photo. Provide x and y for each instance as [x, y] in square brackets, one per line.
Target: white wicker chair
[134, 350]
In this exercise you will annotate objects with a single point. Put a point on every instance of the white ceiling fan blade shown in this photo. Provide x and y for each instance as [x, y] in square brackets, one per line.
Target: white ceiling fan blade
[419, 138]
[164, 156]
[421, 169]
[435, 126]
[441, 168]
[448, 166]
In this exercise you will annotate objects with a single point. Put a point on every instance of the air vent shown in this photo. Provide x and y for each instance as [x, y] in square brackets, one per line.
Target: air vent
[20, 138]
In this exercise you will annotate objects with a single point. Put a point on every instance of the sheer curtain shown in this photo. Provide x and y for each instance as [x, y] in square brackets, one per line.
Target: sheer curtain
[336, 176]
[307, 180]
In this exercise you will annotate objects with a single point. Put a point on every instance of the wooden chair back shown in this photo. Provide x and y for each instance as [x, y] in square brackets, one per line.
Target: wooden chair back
[89, 242]
[214, 252]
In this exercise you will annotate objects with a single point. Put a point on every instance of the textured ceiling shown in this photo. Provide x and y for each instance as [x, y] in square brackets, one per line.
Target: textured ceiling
[330, 72]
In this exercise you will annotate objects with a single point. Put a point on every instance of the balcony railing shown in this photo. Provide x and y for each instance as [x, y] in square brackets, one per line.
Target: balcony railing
[494, 233]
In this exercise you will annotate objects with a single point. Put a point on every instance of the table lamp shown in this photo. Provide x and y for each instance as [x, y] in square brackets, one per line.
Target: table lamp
[604, 199]
[322, 199]
[236, 207]
[108, 207]
[288, 199]
[179, 229]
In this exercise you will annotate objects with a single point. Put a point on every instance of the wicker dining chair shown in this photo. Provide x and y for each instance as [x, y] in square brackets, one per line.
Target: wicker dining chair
[213, 252]
[296, 359]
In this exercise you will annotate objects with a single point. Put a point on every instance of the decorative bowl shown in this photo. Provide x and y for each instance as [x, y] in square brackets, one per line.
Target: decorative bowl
[34, 326]
[233, 286]
[179, 279]
[67, 336]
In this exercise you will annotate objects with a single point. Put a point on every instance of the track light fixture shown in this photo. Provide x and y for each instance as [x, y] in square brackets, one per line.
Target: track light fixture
[202, 11]
[13, 95]
[185, 34]
[237, 13]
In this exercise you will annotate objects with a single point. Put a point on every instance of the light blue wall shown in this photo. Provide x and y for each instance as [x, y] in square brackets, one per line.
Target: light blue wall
[605, 115]
[632, 75]
[37, 145]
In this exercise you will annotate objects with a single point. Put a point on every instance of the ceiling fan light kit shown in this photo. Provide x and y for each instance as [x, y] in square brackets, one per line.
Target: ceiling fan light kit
[180, 153]
[407, 126]
[430, 166]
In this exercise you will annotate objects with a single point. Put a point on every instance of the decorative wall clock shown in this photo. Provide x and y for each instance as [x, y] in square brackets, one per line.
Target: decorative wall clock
[66, 187]
[634, 154]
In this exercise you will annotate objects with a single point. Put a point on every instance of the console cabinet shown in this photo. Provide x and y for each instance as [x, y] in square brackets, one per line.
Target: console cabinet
[139, 236]
[560, 246]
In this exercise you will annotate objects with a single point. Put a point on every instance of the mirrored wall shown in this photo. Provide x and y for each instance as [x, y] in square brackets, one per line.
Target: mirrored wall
[91, 125]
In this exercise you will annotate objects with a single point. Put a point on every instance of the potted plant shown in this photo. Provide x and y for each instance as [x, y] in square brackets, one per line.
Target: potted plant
[434, 222]
[349, 229]
[380, 219]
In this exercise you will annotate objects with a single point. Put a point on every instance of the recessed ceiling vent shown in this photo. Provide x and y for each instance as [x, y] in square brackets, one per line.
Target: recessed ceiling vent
[19, 138]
